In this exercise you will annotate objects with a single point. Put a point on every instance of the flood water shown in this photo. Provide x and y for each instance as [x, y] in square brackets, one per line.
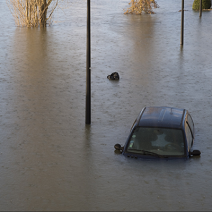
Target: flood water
[50, 160]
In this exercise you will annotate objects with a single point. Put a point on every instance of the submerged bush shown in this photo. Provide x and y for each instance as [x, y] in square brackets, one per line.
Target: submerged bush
[32, 13]
[206, 4]
[139, 6]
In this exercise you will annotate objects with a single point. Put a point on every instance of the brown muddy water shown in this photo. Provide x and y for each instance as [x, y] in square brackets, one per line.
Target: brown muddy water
[50, 160]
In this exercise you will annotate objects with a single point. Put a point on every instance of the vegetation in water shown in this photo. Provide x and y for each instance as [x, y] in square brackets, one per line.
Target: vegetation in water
[32, 13]
[206, 4]
[139, 6]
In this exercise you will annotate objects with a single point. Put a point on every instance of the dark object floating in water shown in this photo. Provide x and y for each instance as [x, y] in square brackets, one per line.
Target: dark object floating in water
[113, 76]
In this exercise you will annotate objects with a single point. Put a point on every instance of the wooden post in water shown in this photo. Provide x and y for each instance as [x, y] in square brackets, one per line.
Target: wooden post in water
[200, 8]
[182, 23]
[88, 69]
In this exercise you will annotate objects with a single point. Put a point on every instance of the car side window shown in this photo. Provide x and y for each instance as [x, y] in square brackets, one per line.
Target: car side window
[188, 135]
[191, 123]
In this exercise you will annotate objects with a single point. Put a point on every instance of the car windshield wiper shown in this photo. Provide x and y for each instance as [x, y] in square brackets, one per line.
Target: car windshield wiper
[147, 152]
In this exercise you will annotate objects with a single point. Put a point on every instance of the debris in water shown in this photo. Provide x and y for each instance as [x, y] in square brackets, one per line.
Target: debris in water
[113, 76]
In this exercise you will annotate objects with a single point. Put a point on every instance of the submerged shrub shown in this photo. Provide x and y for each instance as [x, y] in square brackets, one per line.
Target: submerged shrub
[139, 6]
[32, 13]
[206, 4]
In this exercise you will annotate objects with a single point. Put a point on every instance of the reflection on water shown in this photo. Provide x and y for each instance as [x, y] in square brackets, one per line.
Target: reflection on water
[49, 159]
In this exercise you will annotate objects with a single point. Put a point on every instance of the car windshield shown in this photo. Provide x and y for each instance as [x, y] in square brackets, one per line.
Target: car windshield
[162, 141]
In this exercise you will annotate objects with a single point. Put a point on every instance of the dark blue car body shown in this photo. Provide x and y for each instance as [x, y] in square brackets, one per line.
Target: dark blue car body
[164, 118]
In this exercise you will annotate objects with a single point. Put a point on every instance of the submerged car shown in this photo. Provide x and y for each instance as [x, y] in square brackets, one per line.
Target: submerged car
[161, 132]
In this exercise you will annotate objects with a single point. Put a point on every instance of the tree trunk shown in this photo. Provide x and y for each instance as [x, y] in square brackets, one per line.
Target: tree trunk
[43, 13]
[27, 11]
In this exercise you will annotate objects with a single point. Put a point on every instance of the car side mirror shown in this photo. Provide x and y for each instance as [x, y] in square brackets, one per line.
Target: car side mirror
[118, 147]
[195, 153]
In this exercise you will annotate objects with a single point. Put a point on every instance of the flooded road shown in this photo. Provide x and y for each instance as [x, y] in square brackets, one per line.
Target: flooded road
[50, 160]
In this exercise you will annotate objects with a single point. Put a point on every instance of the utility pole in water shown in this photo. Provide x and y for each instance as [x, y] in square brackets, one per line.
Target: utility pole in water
[182, 23]
[88, 69]
[200, 8]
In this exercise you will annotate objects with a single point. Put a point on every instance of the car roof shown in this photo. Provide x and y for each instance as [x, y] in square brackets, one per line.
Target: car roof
[168, 117]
